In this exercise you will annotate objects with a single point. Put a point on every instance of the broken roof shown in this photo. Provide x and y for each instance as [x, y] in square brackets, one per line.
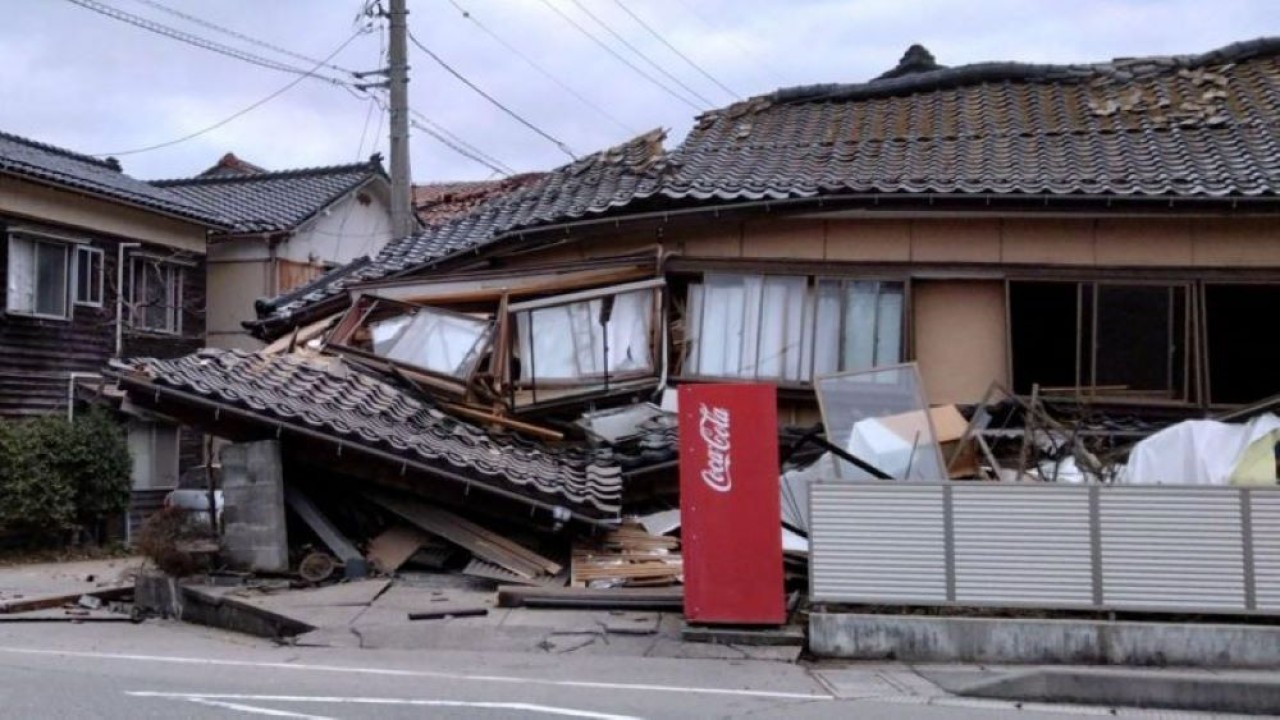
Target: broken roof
[435, 203]
[260, 202]
[63, 168]
[344, 406]
[1199, 126]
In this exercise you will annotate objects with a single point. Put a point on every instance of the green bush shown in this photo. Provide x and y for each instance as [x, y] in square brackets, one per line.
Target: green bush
[56, 475]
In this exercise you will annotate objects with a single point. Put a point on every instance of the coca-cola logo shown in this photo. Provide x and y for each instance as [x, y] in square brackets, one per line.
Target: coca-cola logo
[713, 426]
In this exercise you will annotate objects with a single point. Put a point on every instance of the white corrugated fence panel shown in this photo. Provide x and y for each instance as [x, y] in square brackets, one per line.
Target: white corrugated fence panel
[873, 543]
[1169, 547]
[1022, 544]
[1265, 517]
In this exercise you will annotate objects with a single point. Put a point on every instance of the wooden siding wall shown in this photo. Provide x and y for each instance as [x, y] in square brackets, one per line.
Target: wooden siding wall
[37, 354]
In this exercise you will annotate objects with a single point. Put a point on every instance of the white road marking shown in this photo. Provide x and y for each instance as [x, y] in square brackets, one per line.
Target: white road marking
[222, 698]
[179, 660]
[253, 710]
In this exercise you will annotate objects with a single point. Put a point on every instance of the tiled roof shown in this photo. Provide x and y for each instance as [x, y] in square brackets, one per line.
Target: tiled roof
[271, 201]
[1193, 126]
[435, 203]
[231, 166]
[589, 186]
[53, 165]
[1204, 126]
[330, 397]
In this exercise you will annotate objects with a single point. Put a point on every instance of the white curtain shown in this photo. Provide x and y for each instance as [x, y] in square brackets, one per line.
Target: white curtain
[440, 342]
[567, 342]
[22, 285]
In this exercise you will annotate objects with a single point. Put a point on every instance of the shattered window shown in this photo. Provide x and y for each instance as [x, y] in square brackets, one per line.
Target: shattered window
[587, 340]
[443, 342]
[789, 329]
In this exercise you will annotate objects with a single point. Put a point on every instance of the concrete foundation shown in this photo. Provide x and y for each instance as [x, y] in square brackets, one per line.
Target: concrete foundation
[160, 595]
[254, 536]
[1018, 641]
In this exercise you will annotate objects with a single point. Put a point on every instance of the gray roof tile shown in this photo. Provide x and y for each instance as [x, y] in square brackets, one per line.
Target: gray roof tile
[333, 398]
[57, 166]
[271, 201]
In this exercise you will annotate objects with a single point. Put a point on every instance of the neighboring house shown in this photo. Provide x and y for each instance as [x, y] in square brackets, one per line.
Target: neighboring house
[286, 228]
[1108, 230]
[96, 265]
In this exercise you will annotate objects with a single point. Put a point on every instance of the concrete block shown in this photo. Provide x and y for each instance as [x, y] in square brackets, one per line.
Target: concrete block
[1018, 641]
[254, 534]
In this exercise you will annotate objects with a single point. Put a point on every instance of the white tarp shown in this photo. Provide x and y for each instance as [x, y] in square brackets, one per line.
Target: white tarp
[1207, 452]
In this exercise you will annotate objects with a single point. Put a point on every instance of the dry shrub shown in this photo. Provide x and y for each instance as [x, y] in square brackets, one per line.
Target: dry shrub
[159, 540]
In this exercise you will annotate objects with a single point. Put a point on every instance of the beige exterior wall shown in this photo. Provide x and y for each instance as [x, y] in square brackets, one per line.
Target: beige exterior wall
[233, 286]
[960, 338]
[93, 215]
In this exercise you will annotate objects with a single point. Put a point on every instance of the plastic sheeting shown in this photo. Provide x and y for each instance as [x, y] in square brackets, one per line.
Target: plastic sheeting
[1207, 452]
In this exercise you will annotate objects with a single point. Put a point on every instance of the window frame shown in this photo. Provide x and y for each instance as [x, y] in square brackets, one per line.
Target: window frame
[36, 239]
[137, 315]
[809, 329]
[89, 250]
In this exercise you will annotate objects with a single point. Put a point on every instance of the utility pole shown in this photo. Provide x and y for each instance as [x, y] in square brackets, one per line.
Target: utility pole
[402, 223]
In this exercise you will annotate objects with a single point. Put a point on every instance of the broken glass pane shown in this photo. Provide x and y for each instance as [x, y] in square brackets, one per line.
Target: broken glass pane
[880, 416]
[441, 342]
[568, 342]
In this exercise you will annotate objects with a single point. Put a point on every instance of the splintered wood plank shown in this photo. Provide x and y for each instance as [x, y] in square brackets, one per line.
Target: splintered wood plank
[393, 548]
[470, 536]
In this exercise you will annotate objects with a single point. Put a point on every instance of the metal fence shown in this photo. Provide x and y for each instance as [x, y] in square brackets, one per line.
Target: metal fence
[1161, 548]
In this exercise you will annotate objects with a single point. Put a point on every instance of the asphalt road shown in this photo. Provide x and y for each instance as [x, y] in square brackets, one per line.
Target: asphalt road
[169, 670]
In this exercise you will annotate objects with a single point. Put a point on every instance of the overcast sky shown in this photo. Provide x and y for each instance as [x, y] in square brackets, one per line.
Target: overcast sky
[78, 79]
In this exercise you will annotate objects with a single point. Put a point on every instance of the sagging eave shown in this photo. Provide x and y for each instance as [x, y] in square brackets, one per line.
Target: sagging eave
[152, 396]
[542, 237]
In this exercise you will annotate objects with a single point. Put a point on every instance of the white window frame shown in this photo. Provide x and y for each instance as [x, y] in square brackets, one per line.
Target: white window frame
[83, 251]
[68, 261]
[794, 362]
[137, 314]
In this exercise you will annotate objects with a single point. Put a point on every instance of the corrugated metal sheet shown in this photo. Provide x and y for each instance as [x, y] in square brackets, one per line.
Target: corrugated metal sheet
[1022, 544]
[877, 543]
[1169, 547]
[1265, 518]
[1175, 548]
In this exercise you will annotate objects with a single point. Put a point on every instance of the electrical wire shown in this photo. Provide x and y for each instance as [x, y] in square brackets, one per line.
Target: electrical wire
[241, 36]
[766, 67]
[543, 71]
[237, 114]
[639, 53]
[605, 46]
[197, 41]
[640, 21]
[440, 137]
[481, 155]
[563, 148]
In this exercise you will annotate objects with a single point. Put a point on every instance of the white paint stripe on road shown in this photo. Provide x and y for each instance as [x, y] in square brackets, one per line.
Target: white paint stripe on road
[253, 710]
[179, 660]
[211, 698]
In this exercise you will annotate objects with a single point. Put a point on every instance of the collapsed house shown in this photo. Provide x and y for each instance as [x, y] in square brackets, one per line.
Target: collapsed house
[1086, 235]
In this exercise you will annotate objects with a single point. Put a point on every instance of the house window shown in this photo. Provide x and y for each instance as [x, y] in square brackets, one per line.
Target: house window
[155, 451]
[437, 340]
[791, 329]
[1123, 340]
[37, 277]
[88, 276]
[157, 295]
[589, 339]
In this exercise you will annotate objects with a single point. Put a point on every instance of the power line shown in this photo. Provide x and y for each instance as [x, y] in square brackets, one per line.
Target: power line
[488, 159]
[563, 148]
[618, 36]
[197, 41]
[605, 46]
[457, 148]
[673, 48]
[769, 70]
[240, 36]
[545, 73]
[239, 113]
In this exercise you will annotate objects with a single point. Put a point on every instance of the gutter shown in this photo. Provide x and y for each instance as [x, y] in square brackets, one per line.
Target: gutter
[558, 512]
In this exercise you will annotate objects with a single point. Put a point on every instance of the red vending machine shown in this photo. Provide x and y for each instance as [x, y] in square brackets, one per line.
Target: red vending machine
[729, 507]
